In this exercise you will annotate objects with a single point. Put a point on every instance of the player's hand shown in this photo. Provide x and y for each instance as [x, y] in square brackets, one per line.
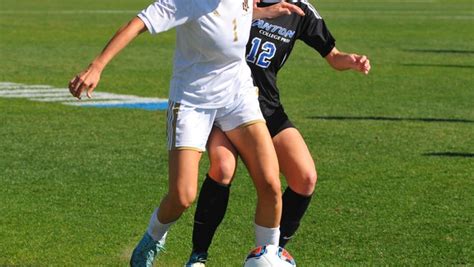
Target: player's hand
[361, 63]
[85, 81]
[276, 10]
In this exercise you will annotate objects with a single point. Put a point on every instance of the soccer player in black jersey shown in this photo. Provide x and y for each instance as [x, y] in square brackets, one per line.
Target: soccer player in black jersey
[271, 42]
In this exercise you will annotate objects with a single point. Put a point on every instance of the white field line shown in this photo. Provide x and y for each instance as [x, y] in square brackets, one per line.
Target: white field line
[67, 12]
[403, 12]
[31, 92]
[7, 84]
[46, 93]
[95, 97]
[32, 96]
[383, 13]
[68, 100]
[112, 102]
[13, 86]
[51, 98]
[384, 1]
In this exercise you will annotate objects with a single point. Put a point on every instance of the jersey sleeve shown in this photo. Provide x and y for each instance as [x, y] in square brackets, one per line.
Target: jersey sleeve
[314, 31]
[163, 15]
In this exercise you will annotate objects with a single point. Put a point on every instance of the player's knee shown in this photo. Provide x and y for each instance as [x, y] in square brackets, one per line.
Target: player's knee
[309, 180]
[185, 202]
[269, 189]
[305, 183]
[183, 199]
[222, 171]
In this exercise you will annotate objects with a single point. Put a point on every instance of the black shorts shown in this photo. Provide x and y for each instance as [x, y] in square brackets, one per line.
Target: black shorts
[277, 121]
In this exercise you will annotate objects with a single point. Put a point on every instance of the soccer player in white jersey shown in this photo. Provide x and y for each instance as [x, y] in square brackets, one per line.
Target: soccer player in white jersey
[211, 85]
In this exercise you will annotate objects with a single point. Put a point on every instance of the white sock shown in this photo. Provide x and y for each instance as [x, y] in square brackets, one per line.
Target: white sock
[266, 236]
[156, 229]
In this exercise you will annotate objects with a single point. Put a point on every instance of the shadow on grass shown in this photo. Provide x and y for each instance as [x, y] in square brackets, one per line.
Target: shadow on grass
[449, 154]
[379, 118]
[438, 65]
[440, 51]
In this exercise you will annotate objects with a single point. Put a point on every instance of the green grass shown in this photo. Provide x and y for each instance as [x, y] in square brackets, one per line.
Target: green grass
[394, 188]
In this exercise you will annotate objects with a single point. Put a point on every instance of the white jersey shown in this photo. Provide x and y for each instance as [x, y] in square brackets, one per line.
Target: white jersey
[209, 63]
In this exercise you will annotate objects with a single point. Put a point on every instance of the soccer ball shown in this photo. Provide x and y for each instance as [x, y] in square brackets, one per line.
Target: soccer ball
[269, 256]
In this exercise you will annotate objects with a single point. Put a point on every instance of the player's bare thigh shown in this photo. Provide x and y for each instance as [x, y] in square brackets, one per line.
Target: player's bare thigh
[222, 157]
[255, 146]
[295, 161]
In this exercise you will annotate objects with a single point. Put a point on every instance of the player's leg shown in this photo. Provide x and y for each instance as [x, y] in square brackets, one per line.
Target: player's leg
[182, 189]
[299, 169]
[187, 136]
[214, 194]
[244, 125]
[182, 184]
[255, 147]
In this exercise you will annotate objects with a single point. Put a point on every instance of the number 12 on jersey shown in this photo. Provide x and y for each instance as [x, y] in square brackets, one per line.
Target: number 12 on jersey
[261, 55]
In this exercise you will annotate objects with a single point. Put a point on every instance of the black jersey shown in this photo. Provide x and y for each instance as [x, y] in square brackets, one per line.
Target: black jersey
[271, 42]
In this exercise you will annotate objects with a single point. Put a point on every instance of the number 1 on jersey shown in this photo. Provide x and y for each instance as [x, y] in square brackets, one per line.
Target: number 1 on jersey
[236, 37]
[263, 58]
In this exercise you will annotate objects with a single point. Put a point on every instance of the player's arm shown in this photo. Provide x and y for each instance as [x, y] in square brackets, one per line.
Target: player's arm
[343, 61]
[276, 10]
[89, 78]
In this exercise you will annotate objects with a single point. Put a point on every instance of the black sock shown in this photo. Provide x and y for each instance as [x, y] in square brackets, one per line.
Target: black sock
[210, 210]
[294, 207]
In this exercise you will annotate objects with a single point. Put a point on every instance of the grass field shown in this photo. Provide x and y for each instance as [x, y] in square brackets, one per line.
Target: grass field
[394, 149]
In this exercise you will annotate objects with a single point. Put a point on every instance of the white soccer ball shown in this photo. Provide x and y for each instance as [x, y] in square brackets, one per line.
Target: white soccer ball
[269, 256]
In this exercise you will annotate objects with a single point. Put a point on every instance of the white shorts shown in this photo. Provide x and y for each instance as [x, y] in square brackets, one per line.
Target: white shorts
[189, 127]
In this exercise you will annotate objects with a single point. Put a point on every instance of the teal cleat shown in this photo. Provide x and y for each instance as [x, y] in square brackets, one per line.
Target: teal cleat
[197, 259]
[146, 251]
